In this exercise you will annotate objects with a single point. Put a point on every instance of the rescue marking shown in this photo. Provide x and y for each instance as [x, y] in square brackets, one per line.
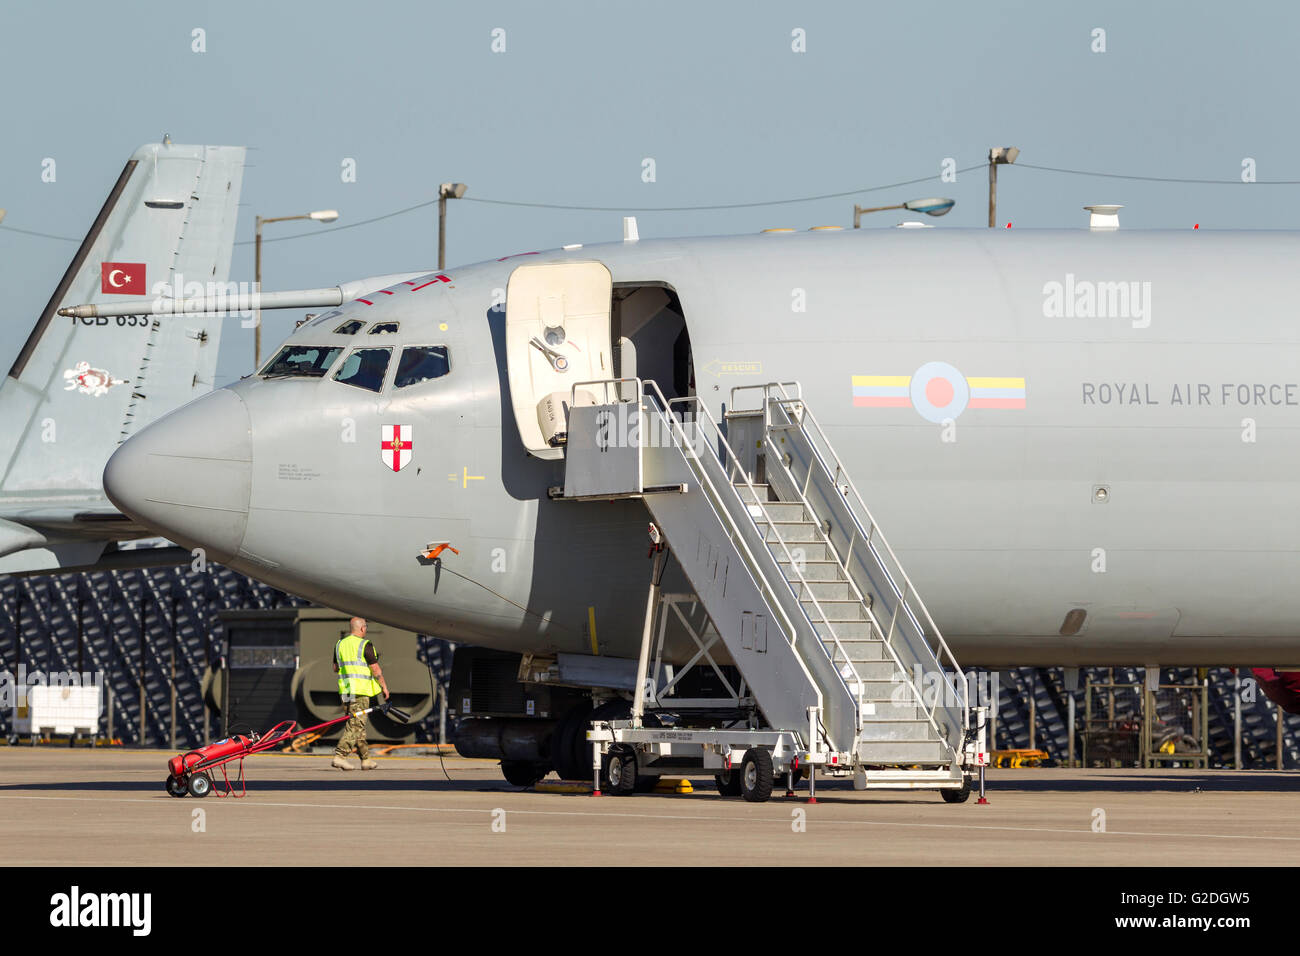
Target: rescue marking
[366, 301]
[89, 381]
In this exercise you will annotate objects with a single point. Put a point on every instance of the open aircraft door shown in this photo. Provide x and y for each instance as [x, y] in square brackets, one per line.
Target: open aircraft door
[557, 333]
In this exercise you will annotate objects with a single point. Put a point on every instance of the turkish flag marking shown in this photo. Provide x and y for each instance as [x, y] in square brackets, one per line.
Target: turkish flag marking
[122, 278]
[395, 446]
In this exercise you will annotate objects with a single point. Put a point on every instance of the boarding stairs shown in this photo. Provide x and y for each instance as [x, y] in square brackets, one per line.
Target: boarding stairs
[829, 635]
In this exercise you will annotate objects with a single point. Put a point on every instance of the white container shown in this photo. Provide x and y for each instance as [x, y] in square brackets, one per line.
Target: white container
[41, 709]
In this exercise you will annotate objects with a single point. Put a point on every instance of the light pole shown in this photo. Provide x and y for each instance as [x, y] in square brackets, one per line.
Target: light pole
[998, 156]
[931, 207]
[321, 215]
[446, 191]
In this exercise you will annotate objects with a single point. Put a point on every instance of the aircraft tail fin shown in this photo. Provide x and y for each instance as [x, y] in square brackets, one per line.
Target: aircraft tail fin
[80, 387]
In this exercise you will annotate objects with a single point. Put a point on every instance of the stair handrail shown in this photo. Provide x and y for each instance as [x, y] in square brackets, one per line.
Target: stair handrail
[778, 393]
[650, 390]
[721, 440]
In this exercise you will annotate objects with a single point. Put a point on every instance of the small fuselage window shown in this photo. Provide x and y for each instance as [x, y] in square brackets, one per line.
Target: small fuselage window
[301, 361]
[420, 363]
[351, 327]
[383, 328]
[364, 368]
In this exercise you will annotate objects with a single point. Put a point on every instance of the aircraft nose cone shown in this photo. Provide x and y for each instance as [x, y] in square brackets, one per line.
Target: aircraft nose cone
[188, 476]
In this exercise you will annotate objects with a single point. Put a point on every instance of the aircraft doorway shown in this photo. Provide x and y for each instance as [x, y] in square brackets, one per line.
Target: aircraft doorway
[650, 338]
[567, 323]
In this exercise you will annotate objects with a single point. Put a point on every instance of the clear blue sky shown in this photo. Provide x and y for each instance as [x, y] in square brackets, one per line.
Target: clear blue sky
[585, 91]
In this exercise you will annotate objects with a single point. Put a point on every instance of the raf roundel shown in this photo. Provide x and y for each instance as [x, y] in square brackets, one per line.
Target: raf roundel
[939, 392]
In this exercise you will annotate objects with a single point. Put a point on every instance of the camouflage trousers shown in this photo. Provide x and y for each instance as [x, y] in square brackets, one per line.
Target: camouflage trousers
[354, 731]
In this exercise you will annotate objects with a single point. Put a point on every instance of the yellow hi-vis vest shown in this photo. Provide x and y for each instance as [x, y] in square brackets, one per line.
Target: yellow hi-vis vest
[355, 679]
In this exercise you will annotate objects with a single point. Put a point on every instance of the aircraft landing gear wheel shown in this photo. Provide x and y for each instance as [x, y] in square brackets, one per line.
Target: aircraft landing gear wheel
[200, 785]
[957, 796]
[756, 775]
[620, 771]
[176, 786]
[570, 752]
[728, 782]
[522, 773]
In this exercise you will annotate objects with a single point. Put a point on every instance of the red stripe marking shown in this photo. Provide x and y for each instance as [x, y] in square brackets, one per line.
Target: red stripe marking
[882, 401]
[419, 287]
[366, 301]
[408, 282]
[442, 278]
[385, 292]
[996, 403]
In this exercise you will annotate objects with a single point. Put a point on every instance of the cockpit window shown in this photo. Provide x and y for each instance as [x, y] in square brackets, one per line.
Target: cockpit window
[351, 327]
[419, 363]
[364, 368]
[301, 361]
[383, 328]
[322, 319]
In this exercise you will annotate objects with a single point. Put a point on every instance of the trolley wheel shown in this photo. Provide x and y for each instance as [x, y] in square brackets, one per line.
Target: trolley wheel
[756, 775]
[200, 785]
[620, 776]
[957, 796]
[728, 782]
[176, 786]
[523, 773]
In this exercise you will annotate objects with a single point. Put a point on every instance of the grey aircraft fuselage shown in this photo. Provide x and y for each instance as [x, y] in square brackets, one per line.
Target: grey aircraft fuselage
[1041, 422]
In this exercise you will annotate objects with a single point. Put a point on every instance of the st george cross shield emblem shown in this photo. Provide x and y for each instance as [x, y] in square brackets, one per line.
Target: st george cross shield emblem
[395, 446]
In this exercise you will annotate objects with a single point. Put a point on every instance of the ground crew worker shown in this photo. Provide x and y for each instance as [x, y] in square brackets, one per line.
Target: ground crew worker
[360, 679]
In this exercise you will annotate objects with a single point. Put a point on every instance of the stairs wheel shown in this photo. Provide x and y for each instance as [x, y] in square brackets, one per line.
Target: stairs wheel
[728, 782]
[619, 772]
[957, 796]
[756, 775]
[523, 773]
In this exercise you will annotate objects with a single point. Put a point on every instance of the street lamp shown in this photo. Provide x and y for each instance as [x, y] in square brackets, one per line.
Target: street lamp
[446, 191]
[998, 156]
[931, 207]
[320, 215]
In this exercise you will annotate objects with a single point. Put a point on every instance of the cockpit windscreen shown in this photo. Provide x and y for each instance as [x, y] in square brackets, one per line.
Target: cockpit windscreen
[301, 361]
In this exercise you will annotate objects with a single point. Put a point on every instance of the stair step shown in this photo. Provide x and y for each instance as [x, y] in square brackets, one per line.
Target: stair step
[867, 671]
[902, 751]
[811, 570]
[764, 492]
[789, 531]
[878, 729]
[823, 591]
[778, 511]
[888, 690]
[834, 611]
[859, 629]
[858, 649]
[807, 552]
[888, 710]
